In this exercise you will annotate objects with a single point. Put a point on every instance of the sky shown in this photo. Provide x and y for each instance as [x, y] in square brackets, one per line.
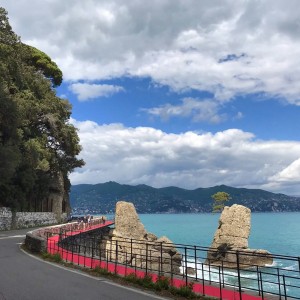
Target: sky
[183, 93]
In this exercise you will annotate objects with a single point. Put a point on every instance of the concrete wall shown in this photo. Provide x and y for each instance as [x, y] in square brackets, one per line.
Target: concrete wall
[9, 220]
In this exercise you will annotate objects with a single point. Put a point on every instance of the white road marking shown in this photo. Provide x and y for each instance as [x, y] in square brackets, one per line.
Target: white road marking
[12, 236]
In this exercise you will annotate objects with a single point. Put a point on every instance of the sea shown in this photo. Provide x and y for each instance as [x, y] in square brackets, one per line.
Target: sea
[279, 233]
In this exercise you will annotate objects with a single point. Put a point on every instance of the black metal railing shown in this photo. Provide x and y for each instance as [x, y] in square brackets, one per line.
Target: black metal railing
[186, 263]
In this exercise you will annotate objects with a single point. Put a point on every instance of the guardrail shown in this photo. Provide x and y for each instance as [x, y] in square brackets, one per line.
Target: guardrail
[281, 280]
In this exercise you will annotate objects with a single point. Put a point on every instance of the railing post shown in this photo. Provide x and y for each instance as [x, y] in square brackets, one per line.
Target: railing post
[185, 262]
[47, 243]
[279, 284]
[107, 259]
[92, 259]
[258, 280]
[209, 275]
[220, 282]
[284, 287]
[84, 255]
[160, 260]
[172, 270]
[195, 258]
[261, 286]
[239, 273]
[131, 258]
[146, 258]
[223, 284]
[203, 280]
[126, 262]
[72, 248]
[116, 257]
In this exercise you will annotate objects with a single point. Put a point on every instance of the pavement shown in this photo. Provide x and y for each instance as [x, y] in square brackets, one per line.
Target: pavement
[25, 277]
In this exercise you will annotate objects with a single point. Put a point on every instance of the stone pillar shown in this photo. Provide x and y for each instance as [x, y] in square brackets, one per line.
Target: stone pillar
[232, 236]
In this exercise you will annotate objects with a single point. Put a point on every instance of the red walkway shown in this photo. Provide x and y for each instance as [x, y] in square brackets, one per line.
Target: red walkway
[122, 270]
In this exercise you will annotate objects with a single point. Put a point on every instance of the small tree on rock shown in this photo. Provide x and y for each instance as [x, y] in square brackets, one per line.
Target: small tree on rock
[219, 199]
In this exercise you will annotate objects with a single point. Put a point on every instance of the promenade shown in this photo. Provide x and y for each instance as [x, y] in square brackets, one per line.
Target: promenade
[124, 270]
[24, 277]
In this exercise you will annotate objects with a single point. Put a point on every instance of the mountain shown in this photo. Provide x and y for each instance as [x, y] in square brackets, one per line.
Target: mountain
[102, 197]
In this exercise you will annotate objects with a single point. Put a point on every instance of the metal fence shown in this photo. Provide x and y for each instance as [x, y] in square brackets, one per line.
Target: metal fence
[280, 280]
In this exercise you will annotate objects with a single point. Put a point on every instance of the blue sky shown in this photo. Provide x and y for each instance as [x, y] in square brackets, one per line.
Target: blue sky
[185, 93]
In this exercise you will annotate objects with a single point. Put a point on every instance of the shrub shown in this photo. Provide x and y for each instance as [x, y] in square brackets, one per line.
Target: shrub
[162, 283]
[185, 291]
[101, 271]
[56, 257]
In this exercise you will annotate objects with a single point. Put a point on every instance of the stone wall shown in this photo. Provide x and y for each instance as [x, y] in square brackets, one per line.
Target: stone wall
[9, 220]
[5, 218]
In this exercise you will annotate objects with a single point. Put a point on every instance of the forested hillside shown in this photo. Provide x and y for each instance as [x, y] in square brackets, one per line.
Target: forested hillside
[38, 145]
[101, 198]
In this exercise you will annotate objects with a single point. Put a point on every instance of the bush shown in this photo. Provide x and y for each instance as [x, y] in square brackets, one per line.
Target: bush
[185, 291]
[46, 255]
[162, 283]
[101, 271]
[56, 257]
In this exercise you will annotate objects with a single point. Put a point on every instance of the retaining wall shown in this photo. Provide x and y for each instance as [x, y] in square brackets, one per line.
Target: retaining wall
[10, 220]
[5, 218]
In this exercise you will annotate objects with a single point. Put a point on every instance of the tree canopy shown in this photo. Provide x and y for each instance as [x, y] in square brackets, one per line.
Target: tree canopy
[219, 199]
[37, 141]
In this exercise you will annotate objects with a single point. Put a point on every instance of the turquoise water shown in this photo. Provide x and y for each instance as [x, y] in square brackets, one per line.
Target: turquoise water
[278, 233]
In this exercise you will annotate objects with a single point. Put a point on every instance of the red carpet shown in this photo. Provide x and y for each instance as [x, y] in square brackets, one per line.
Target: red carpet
[88, 262]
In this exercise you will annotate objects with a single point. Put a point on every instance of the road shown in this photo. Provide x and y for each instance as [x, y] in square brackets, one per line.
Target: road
[23, 277]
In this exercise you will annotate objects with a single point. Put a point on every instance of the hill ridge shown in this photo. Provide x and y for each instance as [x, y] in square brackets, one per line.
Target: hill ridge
[102, 197]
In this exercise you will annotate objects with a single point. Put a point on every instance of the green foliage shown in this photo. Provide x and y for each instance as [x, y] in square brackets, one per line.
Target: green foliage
[43, 63]
[101, 271]
[37, 142]
[162, 283]
[145, 281]
[56, 257]
[185, 291]
[219, 199]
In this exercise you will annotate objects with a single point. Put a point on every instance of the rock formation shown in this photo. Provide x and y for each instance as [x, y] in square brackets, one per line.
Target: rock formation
[231, 238]
[130, 243]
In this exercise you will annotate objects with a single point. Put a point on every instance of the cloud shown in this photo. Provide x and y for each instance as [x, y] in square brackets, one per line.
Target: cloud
[230, 48]
[189, 160]
[87, 91]
[199, 110]
[291, 173]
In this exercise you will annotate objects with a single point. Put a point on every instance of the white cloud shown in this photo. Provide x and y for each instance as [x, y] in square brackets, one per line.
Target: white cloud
[87, 91]
[199, 110]
[291, 173]
[182, 44]
[189, 160]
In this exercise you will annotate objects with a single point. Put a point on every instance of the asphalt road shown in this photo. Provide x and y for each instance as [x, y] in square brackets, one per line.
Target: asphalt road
[23, 277]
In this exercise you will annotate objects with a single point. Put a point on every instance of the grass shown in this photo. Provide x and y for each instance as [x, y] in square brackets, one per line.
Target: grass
[56, 257]
[164, 284]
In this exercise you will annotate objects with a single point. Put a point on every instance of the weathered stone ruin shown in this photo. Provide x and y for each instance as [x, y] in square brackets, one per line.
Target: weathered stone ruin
[232, 236]
[129, 243]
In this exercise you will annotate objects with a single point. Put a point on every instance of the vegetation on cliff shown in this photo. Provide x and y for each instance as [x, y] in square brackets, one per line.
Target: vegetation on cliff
[37, 142]
[219, 199]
